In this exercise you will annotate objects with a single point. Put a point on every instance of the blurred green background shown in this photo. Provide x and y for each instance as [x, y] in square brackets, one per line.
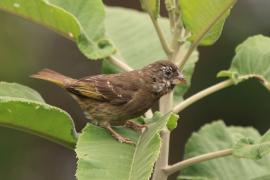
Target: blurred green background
[26, 48]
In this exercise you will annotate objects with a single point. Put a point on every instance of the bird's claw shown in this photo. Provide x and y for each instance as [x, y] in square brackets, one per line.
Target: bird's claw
[122, 139]
[117, 136]
[136, 126]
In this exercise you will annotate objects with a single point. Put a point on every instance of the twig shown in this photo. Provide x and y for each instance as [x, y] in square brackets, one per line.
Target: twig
[171, 9]
[177, 53]
[184, 104]
[177, 41]
[198, 159]
[162, 39]
[175, 44]
[187, 55]
[114, 60]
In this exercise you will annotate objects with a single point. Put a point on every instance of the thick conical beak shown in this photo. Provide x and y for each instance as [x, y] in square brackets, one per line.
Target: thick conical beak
[180, 79]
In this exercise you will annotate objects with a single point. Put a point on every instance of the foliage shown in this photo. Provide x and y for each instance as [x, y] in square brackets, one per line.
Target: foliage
[204, 19]
[127, 35]
[252, 147]
[134, 162]
[217, 136]
[24, 109]
[251, 61]
[82, 21]
[138, 54]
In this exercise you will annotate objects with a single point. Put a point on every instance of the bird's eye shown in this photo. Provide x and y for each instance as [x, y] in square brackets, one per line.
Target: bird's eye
[167, 72]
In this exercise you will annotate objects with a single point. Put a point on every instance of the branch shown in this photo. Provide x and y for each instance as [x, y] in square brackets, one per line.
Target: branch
[162, 39]
[171, 9]
[163, 159]
[166, 102]
[176, 54]
[165, 106]
[187, 55]
[195, 160]
[176, 44]
[177, 40]
[114, 60]
[184, 104]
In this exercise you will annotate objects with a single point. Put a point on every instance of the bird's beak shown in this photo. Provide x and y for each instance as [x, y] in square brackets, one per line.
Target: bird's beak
[180, 79]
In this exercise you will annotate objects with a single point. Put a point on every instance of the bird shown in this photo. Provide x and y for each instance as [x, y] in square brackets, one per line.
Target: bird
[114, 99]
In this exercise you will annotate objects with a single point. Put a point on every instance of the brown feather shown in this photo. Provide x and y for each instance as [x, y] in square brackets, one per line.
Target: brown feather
[118, 97]
[54, 77]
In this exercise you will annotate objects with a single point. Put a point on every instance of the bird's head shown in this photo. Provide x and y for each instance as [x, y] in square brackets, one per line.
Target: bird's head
[164, 75]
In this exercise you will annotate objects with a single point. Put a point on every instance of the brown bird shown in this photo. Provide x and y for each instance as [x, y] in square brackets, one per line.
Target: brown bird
[116, 98]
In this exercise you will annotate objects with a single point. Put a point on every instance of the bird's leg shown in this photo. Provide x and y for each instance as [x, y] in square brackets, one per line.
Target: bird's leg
[135, 126]
[117, 136]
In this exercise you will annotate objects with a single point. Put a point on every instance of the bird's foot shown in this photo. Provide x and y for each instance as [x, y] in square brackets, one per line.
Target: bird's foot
[117, 136]
[136, 126]
[123, 139]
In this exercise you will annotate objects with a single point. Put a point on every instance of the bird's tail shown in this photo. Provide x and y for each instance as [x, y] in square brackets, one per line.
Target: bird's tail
[54, 77]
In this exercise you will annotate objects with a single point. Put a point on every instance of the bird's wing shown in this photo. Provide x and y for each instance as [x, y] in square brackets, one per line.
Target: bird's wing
[112, 88]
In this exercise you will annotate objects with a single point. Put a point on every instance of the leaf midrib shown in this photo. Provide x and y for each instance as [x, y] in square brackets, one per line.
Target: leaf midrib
[134, 155]
[212, 23]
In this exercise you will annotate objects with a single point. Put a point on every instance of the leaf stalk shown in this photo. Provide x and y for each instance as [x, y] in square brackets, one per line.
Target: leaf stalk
[119, 63]
[195, 160]
[184, 104]
[161, 36]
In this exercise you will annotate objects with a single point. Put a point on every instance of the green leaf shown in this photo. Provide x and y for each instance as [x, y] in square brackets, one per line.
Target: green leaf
[81, 21]
[22, 108]
[252, 60]
[195, 178]
[254, 149]
[217, 136]
[205, 18]
[138, 43]
[172, 122]
[19, 91]
[265, 177]
[102, 157]
[151, 6]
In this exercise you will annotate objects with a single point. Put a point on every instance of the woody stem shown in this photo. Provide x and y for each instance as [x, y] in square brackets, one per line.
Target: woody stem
[119, 63]
[165, 106]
